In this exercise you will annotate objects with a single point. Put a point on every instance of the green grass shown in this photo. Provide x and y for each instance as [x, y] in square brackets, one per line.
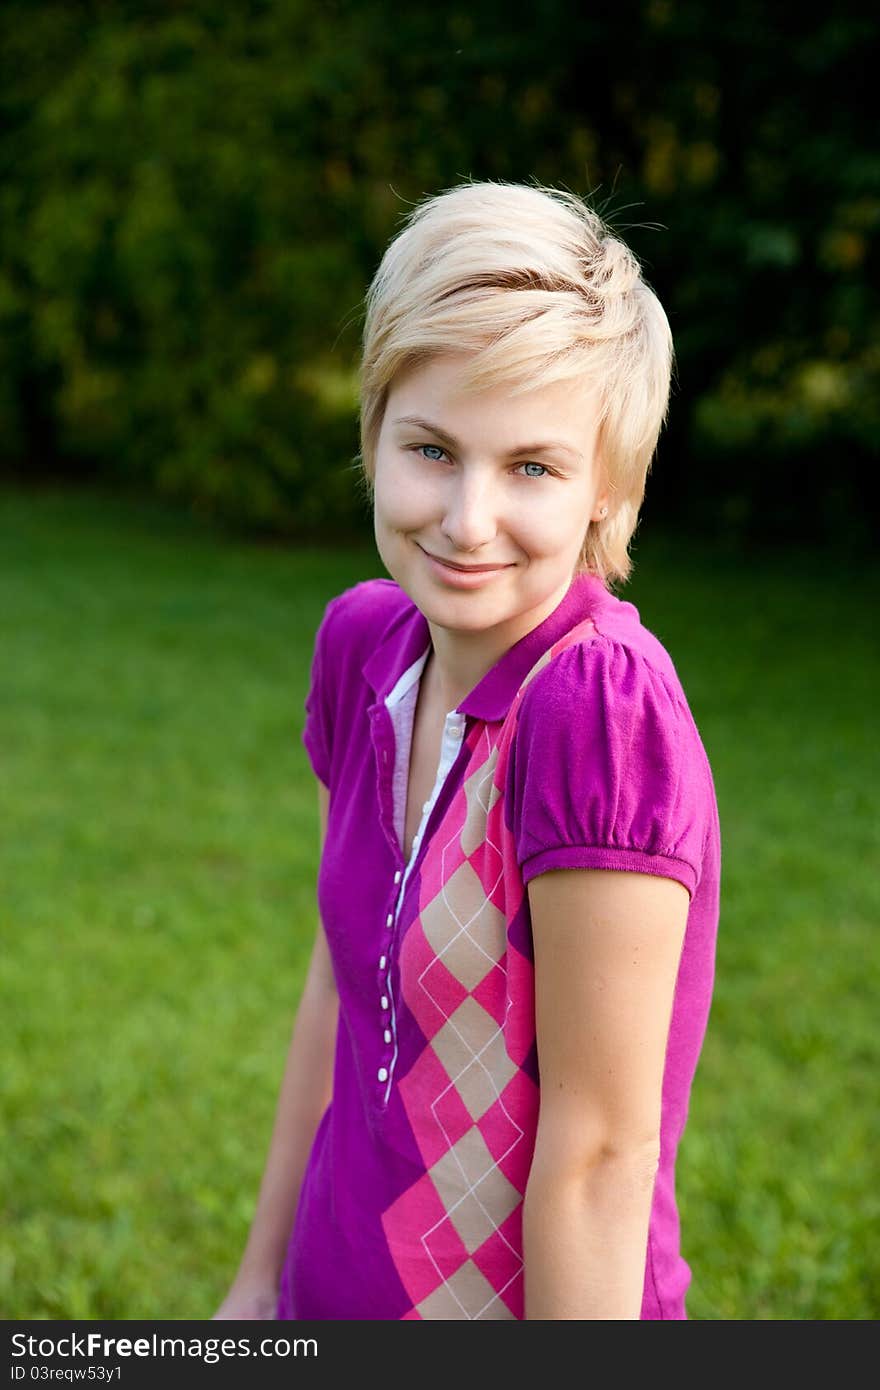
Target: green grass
[157, 864]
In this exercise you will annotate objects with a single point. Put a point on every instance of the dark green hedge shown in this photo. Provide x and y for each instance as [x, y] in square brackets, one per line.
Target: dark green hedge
[194, 198]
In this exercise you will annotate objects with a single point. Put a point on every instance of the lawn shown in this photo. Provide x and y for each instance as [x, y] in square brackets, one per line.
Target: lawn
[157, 864]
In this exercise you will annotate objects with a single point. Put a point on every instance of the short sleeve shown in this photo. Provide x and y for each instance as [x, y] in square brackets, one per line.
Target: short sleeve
[319, 720]
[607, 768]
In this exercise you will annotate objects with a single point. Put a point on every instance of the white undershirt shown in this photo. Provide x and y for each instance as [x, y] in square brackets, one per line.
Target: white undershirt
[401, 705]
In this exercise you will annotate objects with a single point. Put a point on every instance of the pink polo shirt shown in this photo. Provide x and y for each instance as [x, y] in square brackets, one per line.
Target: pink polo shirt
[576, 750]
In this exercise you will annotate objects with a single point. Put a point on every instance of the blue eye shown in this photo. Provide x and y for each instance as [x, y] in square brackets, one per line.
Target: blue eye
[439, 453]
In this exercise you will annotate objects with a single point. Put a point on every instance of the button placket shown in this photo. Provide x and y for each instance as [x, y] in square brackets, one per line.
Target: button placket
[453, 734]
[391, 726]
[386, 1001]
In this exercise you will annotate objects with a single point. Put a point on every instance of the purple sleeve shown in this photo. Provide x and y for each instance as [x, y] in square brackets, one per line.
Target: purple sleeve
[608, 769]
[317, 731]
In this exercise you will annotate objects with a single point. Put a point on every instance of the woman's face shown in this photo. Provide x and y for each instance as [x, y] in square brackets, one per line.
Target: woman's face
[461, 481]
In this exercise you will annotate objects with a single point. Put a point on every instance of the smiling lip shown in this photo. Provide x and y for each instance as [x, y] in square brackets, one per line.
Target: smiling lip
[452, 576]
[465, 569]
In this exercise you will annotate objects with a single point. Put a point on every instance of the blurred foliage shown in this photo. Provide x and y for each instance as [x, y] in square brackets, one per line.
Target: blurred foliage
[194, 198]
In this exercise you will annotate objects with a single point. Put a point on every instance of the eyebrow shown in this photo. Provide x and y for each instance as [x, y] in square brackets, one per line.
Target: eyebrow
[451, 440]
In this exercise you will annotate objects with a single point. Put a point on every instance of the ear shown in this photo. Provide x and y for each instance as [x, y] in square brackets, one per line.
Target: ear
[603, 496]
[605, 488]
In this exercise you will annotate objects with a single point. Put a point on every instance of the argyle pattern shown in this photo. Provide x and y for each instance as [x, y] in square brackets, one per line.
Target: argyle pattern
[456, 1234]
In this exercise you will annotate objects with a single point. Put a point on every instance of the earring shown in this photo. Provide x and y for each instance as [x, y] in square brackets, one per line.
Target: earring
[603, 511]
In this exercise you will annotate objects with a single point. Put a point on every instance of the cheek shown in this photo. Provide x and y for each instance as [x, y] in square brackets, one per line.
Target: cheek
[400, 500]
[551, 524]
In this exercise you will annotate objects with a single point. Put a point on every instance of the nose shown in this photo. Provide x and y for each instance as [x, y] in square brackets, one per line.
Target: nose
[471, 513]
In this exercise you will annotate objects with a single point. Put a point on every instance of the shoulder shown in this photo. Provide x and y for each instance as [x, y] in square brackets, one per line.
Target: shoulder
[367, 606]
[360, 616]
[607, 768]
[621, 668]
[610, 714]
[606, 673]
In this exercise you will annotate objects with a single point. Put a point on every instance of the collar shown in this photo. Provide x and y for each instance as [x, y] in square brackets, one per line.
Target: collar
[408, 638]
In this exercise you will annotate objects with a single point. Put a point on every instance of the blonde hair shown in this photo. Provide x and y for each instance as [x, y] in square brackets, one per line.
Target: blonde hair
[534, 283]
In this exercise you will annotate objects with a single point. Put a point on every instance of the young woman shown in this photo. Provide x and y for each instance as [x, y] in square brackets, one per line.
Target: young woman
[519, 881]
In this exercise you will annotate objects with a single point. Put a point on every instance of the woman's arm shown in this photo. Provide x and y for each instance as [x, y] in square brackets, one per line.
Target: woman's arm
[305, 1093]
[607, 947]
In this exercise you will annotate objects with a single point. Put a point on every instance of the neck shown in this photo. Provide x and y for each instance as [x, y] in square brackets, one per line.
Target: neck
[458, 661]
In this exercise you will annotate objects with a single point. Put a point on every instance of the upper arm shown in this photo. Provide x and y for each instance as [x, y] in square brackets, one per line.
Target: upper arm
[607, 946]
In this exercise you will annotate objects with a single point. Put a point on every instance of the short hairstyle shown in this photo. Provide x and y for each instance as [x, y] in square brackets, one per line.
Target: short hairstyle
[532, 280]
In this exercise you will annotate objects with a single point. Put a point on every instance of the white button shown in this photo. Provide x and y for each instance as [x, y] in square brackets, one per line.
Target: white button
[382, 1073]
[381, 962]
[384, 1001]
[389, 919]
[415, 840]
[387, 1034]
[425, 807]
[397, 877]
